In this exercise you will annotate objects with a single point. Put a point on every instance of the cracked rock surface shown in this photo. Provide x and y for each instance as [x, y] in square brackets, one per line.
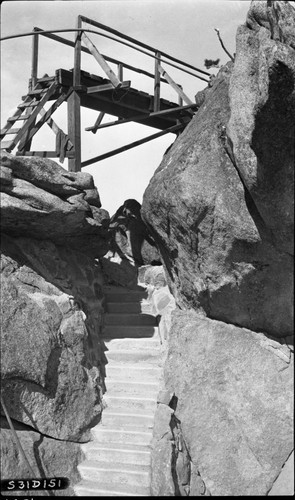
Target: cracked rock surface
[220, 205]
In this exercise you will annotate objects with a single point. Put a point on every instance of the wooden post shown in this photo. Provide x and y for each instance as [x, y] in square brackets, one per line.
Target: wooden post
[34, 70]
[120, 72]
[74, 112]
[157, 82]
[180, 100]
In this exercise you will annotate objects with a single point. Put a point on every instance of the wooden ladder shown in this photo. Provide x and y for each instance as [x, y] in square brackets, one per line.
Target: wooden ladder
[27, 112]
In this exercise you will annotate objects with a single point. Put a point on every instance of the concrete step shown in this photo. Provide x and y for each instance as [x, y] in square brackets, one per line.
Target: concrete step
[103, 435]
[128, 372]
[133, 344]
[112, 331]
[116, 388]
[150, 356]
[128, 421]
[128, 307]
[133, 404]
[141, 319]
[91, 488]
[111, 452]
[131, 474]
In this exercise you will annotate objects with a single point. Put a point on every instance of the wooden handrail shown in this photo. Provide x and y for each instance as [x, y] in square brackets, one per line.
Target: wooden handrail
[140, 44]
[69, 43]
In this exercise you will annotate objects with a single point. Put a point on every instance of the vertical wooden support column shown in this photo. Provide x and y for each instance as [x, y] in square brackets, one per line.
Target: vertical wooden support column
[120, 72]
[180, 100]
[157, 82]
[74, 112]
[34, 70]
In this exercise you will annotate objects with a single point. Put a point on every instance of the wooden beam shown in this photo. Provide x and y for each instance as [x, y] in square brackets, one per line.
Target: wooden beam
[130, 146]
[157, 83]
[97, 123]
[101, 61]
[107, 86]
[145, 116]
[34, 70]
[45, 154]
[174, 85]
[74, 107]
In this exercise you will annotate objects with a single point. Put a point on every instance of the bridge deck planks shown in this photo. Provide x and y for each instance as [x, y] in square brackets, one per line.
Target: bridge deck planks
[122, 103]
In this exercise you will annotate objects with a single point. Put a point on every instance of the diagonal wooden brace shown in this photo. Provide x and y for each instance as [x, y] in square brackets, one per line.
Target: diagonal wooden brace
[48, 113]
[174, 85]
[101, 61]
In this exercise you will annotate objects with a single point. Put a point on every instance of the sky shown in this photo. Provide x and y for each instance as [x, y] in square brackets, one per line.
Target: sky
[181, 28]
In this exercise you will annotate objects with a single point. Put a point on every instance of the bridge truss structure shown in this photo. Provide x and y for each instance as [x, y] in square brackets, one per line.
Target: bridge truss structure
[79, 88]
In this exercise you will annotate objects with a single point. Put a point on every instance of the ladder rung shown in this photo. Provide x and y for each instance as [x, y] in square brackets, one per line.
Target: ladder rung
[36, 92]
[6, 144]
[10, 131]
[28, 105]
[12, 119]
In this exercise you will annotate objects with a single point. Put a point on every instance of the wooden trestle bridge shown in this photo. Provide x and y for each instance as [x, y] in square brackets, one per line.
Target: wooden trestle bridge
[79, 88]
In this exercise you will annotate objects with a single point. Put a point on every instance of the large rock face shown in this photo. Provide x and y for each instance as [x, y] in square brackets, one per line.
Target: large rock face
[46, 456]
[44, 201]
[220, 204]
[233, 392]
[52, 357]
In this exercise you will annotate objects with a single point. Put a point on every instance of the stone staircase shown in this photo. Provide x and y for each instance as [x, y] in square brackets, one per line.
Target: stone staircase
[118, 458]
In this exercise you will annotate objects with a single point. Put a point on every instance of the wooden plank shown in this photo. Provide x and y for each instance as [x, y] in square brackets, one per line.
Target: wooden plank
[173, 129]
[9, 132]
[157, 82]
[107, 86]
[101, 61]
[44, 154]
[12, 119]
[98, 121]
[174, 85]
[27, 105]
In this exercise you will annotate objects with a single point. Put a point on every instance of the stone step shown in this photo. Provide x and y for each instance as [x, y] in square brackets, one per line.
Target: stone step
[103, 435]
[133, 344]
[126, 373]
[133, 404]
[133, 474]
[128, 307]
[128, 421]
[140, 319]
[145, 389]
[111, 452]
[113, 331]
[134, 356]
[91, 488]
